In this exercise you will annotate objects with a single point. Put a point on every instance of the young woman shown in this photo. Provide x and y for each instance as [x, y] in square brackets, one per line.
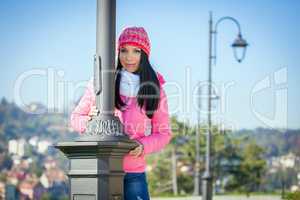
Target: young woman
[141, 105]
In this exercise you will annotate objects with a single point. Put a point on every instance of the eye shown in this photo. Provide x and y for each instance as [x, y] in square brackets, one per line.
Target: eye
[137, 51]
[123, 50]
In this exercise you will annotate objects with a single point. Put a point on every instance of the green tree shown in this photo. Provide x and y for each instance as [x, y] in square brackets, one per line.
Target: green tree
[226, 157]
[252, 168]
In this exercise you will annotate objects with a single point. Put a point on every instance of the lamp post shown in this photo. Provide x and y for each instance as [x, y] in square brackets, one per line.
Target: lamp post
[239, 44]
[96, 170]
[197, 159]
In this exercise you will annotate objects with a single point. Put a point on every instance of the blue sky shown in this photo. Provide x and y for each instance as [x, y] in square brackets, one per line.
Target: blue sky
[59, 36]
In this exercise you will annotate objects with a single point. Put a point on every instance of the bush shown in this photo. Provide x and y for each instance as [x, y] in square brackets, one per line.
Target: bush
[293, 196]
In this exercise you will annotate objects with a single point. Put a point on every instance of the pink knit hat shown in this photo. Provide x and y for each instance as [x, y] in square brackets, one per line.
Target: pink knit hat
[135, 36]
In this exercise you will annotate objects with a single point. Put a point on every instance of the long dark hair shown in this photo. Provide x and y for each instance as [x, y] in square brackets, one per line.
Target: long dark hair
[149, 91]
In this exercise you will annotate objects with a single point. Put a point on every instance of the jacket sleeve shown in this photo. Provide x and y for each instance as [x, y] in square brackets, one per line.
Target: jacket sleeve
[161, 130]
[79, 116]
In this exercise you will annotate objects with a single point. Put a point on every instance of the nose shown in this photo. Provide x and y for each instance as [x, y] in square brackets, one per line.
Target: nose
[129, 57]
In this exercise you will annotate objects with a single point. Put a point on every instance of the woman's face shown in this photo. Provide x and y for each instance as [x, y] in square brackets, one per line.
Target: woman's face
[130, 57]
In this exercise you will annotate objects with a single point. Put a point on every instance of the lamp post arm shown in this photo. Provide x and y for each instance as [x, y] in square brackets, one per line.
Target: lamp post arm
[214, 33]
[230, 19]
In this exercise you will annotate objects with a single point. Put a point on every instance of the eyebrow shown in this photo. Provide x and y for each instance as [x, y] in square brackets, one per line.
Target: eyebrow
[135, 48]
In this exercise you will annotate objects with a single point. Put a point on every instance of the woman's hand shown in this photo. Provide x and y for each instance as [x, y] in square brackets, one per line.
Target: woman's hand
[93, 112]
[137, 151]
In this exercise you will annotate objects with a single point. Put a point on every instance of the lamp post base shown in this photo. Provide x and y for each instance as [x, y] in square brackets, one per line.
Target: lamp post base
[207, 187]
[96, 160]
[95, 171]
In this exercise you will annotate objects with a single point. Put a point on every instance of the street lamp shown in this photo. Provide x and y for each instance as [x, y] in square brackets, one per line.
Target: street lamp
[95, 170]
[197, 159]
[239, 46]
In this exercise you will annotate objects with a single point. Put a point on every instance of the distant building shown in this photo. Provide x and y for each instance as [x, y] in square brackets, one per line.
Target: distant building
[17, 147]
[42, 146]
[285, 161]
[36, 108]
[34, 141]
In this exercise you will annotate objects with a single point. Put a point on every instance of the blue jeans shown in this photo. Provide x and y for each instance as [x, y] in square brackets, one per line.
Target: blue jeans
[136, 186]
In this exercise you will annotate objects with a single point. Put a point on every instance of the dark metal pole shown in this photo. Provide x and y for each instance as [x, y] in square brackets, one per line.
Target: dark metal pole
[197, 164]
[105, 51]
[207, 177]
[96, 167]
[105, 126]
[174, 172]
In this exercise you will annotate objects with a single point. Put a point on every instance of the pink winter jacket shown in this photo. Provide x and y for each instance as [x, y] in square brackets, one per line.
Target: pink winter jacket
[153, 133]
